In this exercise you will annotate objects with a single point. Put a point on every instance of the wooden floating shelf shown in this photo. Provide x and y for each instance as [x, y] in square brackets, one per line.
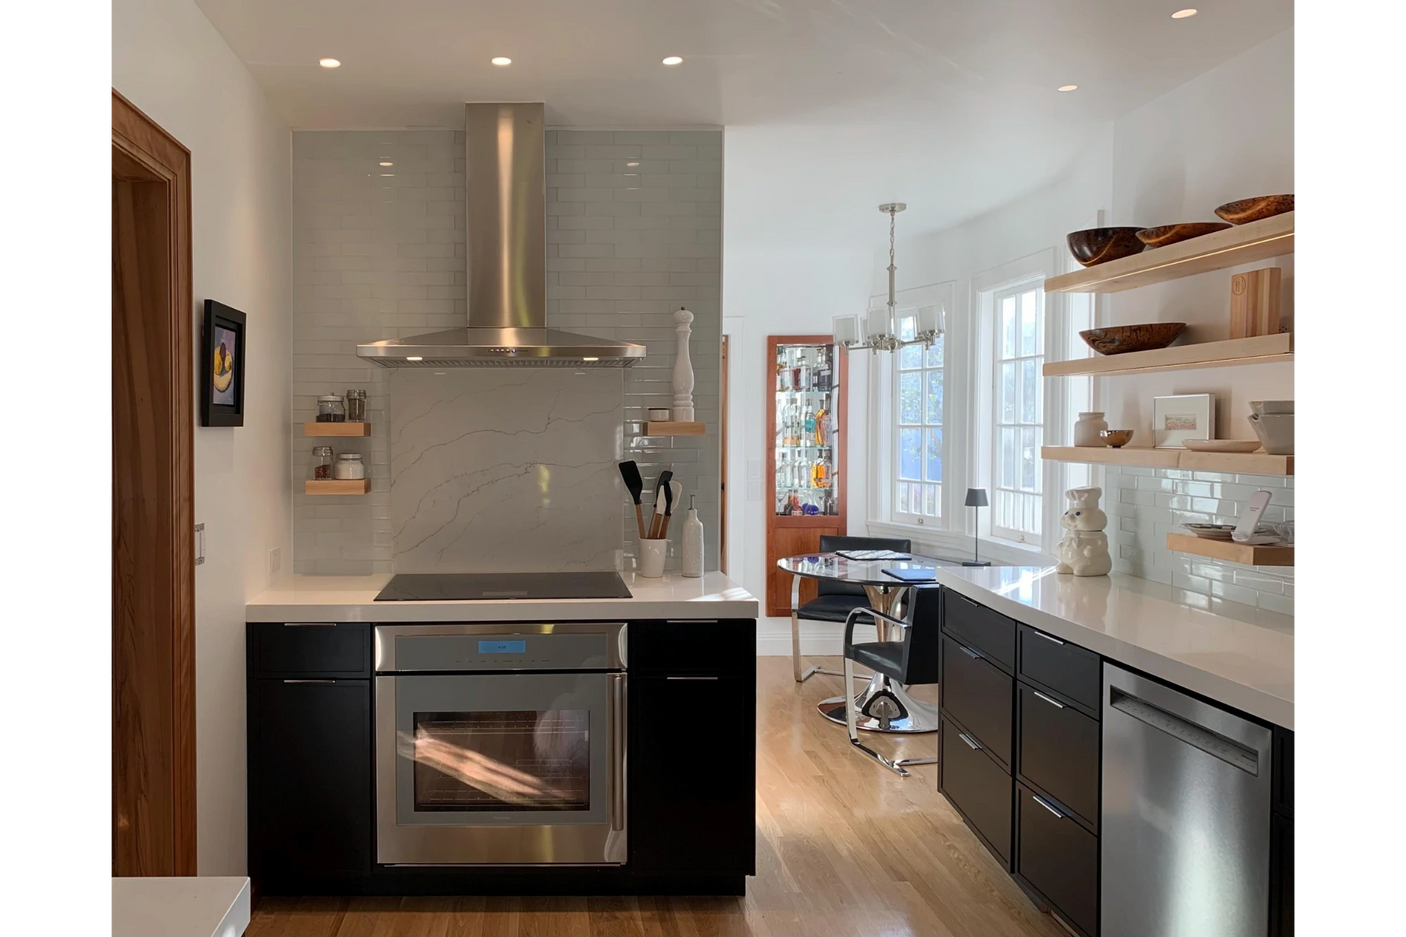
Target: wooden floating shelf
[337, 429]
[1230, 551]
[674, 428]
[1244, 463]
[1241, 244]
[337, 486]
[1261, 349]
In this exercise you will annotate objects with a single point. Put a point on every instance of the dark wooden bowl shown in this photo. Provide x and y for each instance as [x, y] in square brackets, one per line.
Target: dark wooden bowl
[1120, 339]
[1246, 210]
[1166, 234]
[1100, 245]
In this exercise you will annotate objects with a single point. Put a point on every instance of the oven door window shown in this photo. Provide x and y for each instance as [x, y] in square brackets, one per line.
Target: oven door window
[501, 760]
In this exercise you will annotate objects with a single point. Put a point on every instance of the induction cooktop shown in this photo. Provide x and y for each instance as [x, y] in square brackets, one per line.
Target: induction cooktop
[470, 587]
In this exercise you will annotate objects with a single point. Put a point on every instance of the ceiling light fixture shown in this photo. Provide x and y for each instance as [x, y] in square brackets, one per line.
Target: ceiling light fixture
[414, 358]
[386, 162]
[1067, 88]
[879, 329]
[673, 60]
[501, 60]
[329, 63]
[589, 359]
[1183, 14]
[387, 174]
[636, 163]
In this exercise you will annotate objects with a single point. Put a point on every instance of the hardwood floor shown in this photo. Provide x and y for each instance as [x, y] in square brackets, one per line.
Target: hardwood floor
[844, 846]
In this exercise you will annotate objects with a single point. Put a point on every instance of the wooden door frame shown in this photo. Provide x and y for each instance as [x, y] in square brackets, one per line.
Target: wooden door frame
[153, 586]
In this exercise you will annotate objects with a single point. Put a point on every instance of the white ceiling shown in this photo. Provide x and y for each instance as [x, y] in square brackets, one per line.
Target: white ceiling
[946, 104]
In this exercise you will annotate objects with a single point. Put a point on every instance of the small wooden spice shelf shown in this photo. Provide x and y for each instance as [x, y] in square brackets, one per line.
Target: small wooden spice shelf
[674, 428]
[1244, 463]
[337, 429]
[1230, 551]
[1241, 244]
[1260, 349]
[337, 486]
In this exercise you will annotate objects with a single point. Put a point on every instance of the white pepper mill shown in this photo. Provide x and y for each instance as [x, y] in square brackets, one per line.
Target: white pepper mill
[683, 369]
[692, 543]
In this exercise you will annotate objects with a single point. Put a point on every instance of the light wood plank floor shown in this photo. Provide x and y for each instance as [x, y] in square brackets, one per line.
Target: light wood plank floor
[844, 846]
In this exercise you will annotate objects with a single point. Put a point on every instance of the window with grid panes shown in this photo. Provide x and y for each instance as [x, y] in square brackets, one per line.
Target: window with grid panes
[918, 450]
[1018, 414]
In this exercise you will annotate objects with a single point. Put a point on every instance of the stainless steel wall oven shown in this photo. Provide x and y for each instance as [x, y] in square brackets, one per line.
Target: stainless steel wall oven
[501, 744]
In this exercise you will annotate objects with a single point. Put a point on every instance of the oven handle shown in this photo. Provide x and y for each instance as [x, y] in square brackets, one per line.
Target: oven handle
[617, 751]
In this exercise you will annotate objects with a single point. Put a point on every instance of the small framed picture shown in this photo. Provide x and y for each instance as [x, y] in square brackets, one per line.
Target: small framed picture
[1184, 416]
[222, 373]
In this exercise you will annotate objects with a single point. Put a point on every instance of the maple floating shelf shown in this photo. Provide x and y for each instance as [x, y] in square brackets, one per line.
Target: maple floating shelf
[1244, 463]
[673, 428]
[337, 429]
[336, 486]
[1230, 551]
[1260, 349]
[1241, 244]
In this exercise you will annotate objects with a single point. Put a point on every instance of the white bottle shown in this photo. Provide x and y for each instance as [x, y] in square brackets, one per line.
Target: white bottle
[692, 543]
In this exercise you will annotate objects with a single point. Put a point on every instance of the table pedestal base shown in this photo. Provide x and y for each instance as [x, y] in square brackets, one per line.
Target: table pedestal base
[884, 706]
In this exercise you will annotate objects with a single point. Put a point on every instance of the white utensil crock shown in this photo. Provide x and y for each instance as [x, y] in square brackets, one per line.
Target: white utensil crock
[652, 553]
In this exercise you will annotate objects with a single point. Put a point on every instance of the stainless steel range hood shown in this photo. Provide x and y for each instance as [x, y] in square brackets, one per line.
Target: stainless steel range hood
[505, 150]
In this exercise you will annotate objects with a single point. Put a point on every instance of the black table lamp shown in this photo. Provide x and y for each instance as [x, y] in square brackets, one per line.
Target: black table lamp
[976, 499]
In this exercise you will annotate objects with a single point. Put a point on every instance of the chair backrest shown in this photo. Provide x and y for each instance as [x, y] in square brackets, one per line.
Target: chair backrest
[922, 641]
[829, 543]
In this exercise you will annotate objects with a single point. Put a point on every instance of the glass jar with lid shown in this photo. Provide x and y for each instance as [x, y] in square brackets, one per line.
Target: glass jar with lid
[330, 409]
[356, 406]
[321, 461]
[349, 465]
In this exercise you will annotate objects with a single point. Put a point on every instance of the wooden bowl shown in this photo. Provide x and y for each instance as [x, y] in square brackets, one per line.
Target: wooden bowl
[1100, 245]
[1120, 339]
[1166, 234]
[1246, 210]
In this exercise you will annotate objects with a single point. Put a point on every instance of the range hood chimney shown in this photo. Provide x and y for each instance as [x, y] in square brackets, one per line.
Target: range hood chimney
[506, 196]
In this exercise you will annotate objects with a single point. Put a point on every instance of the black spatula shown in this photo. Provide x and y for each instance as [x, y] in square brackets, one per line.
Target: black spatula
[634, 484]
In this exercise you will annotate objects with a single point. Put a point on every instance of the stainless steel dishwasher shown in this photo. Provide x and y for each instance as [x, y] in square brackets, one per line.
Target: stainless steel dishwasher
[1186, 804]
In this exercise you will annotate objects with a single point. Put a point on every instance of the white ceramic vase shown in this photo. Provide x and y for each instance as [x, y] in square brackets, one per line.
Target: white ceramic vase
[1087, 429]
[692, 543]
[1084, 549]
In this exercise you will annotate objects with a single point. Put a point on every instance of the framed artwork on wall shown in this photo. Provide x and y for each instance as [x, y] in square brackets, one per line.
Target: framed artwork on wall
[1183, 416]
[223, 348]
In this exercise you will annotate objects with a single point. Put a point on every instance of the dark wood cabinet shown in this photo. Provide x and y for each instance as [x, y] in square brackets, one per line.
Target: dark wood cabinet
[1057, 858]
[1067, 671]
[1281, 876]
[977, 786]
[1059, 752]
[309, 777]
[311, 649]
[979, 628]
[978, 696]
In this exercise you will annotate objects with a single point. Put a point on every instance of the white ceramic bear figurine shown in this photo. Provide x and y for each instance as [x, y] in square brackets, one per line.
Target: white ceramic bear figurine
[1084, 549]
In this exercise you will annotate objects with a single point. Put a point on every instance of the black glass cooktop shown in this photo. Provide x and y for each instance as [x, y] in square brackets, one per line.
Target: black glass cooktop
[428, 587]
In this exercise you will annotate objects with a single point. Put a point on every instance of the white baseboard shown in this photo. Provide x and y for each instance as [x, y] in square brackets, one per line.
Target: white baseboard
[818, 638]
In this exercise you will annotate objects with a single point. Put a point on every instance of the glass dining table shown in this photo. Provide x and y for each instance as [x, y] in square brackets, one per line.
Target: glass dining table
[884, 706]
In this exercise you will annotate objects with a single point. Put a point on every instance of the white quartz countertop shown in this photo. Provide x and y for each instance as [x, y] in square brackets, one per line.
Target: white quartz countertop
[190, 906]
[352, 598]
[1239, 656]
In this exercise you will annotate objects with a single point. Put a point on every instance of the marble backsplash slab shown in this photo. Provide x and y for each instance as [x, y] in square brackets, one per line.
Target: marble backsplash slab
[506, 469]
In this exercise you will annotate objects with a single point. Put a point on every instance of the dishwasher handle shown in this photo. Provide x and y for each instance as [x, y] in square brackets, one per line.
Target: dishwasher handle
[1184, 730]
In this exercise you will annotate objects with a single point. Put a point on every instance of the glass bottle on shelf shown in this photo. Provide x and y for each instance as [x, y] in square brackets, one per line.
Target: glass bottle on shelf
[822, 423]
[820, 474]
[822, 369]
[803, 373]
[808, 427]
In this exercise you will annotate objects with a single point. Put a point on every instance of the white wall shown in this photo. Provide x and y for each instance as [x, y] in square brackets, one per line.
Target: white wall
[172, 64]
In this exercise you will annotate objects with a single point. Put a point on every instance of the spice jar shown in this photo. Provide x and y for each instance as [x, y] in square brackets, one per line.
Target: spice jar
[349, 465]
[356, 406]
[330, 409]
[321, 461]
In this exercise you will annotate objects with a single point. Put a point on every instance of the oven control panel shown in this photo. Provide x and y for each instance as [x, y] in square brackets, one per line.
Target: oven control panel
[479, 648]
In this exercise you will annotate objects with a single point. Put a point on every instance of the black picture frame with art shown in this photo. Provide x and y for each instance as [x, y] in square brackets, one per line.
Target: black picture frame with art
[223, 348]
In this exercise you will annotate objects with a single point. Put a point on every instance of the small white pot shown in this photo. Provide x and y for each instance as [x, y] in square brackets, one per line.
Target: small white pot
[1087, 430]
[652, 553]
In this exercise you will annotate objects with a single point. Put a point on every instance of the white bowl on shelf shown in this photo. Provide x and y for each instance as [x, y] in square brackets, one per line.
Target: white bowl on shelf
[1275, 430]
[1272, 407]
[1221, 445]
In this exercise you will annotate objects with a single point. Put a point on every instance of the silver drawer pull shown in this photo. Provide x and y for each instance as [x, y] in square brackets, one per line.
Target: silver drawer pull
[1053, 702]
[690, 678]
[1041, 634]
[971, 742]
[309, 624]
[1047, 805]
[969, 652]
[690, 621]
[309, 681]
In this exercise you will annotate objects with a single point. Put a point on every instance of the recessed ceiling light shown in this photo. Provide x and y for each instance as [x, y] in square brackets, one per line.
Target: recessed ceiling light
[414, 358]
[1183, 14]
[501, 60]
[673, 60]
[329, 63]
[589, 359]
[387, 174]
[1067, 88]
[386, 162]
[636, 163]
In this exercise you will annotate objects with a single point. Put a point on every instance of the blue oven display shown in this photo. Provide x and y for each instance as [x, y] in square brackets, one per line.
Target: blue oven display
[502, 647]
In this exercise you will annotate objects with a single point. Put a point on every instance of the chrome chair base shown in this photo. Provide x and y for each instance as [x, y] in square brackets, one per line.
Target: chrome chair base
[850, 713]
[882, 706]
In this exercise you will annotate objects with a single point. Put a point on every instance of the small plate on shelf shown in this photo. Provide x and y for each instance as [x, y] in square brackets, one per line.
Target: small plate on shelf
[1221, 445]
[1211, 531]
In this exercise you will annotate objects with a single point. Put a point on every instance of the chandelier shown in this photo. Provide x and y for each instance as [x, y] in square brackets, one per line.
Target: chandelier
[879, 330]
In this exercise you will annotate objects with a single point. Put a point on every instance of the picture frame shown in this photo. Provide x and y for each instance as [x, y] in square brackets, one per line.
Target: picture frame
[1182, 416]
[223, 347]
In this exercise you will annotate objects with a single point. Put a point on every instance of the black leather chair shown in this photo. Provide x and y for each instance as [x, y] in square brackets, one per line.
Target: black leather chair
[911, 659]
[835, 600]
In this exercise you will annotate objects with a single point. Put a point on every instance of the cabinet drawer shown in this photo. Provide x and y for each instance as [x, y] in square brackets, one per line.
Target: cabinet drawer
[977, 787]
[1059, 752]
[1068, 669]
[724, 648]
[322, 648]
[979, 628]
[978, 696]
[1059, 858]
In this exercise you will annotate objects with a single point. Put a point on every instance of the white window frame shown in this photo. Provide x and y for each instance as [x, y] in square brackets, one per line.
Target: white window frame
[1017, 291]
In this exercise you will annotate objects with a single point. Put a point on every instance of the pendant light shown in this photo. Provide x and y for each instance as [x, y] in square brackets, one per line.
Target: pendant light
[878, 331]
